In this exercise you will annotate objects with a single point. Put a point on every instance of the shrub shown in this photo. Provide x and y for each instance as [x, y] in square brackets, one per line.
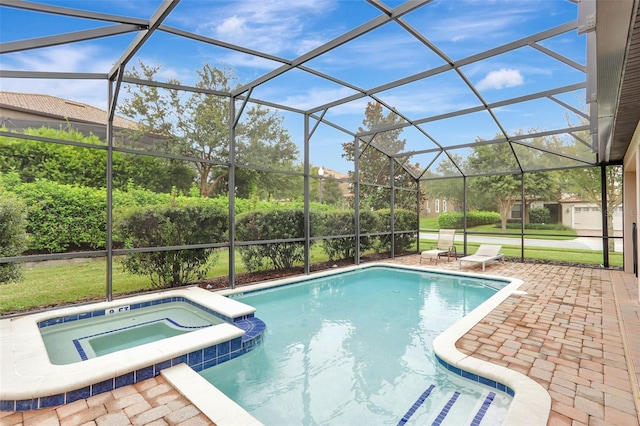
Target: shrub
[455, 220]
[271, 225]
[180, 223]
[13, 236]
[539, 215]
[340, 222]
[405, 220]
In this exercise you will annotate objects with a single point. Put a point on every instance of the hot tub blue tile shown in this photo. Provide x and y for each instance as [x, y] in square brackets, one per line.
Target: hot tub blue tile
[27, 404]
[510, 391]
[144, 373]
[502, 387]
[235, 344]
[161, 366]
[77, 394]
[210, 352]
[101, 387]
[125, 380]
[210, 363]
[223, 358]
[70, 318]
[223, 348]
[179, 360]
[84, 315]
[197, 368]
[7, 405]
[52, 401]
[194, 357]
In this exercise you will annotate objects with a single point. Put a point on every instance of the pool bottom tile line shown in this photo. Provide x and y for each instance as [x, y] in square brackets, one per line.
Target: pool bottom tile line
[416, 405]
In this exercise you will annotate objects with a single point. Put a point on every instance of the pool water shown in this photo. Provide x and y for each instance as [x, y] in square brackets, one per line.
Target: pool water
[79, 340]
[356, 348]
[130, 337]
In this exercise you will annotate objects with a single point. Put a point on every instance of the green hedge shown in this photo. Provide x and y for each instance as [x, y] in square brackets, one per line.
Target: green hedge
[404, 220]
[13, 236]
[182, 222]
[271, 225]
[455, 220]
[343, 222]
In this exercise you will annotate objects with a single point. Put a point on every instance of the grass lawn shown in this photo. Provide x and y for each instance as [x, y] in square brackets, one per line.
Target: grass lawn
[431, 224]
[58, 283]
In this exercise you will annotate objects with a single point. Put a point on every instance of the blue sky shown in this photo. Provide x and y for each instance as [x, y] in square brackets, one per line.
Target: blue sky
[287, 29]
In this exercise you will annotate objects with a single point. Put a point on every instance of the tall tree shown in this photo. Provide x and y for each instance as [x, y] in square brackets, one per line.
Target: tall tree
[374, 162]
[451, 188]
[197, 125]
[505, 190]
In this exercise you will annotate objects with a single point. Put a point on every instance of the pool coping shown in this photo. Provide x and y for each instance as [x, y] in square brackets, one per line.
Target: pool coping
[530, 403]
[27, 373]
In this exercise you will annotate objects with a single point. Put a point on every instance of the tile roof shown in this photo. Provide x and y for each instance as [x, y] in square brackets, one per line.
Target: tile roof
[60, 108]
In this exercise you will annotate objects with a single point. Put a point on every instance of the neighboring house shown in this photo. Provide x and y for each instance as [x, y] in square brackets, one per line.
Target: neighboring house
[587, 216]
[433, 207]
[20, 111]
[344, 184]
[574, 213]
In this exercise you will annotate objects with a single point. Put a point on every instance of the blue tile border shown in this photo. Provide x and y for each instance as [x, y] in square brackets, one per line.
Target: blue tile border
[476, 378]
[138, 305]
[198, 360]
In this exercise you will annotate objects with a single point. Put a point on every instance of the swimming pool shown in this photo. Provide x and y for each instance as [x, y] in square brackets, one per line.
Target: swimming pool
[356, 348]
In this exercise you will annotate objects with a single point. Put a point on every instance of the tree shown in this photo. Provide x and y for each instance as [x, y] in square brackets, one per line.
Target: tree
[374, 162]
[503, 191]
[450, 188]
[197, 125]
[263, 140]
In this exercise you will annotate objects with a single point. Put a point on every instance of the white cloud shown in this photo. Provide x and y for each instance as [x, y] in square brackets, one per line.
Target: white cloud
[504, 77]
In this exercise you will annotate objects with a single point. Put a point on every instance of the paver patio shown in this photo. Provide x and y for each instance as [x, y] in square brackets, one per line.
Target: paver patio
[566, 333]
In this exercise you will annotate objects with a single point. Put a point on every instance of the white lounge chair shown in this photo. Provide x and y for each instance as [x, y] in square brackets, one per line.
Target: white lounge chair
[445, 245]
[484, 254]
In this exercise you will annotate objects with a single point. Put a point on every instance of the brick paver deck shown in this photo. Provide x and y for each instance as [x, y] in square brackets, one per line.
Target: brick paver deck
[576, 331]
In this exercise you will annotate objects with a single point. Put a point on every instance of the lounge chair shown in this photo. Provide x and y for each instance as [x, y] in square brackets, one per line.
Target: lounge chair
[484, 254]
[445, 246]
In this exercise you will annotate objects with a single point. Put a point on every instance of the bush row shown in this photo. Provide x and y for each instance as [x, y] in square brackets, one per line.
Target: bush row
[63, 217]
[60, 217]
[455, 220]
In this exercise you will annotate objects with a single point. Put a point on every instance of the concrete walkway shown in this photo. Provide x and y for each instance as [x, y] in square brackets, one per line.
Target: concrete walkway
[576, 331]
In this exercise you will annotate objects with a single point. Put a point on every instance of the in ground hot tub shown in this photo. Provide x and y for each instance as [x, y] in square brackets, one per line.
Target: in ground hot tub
[88, 335]
[212, 329]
